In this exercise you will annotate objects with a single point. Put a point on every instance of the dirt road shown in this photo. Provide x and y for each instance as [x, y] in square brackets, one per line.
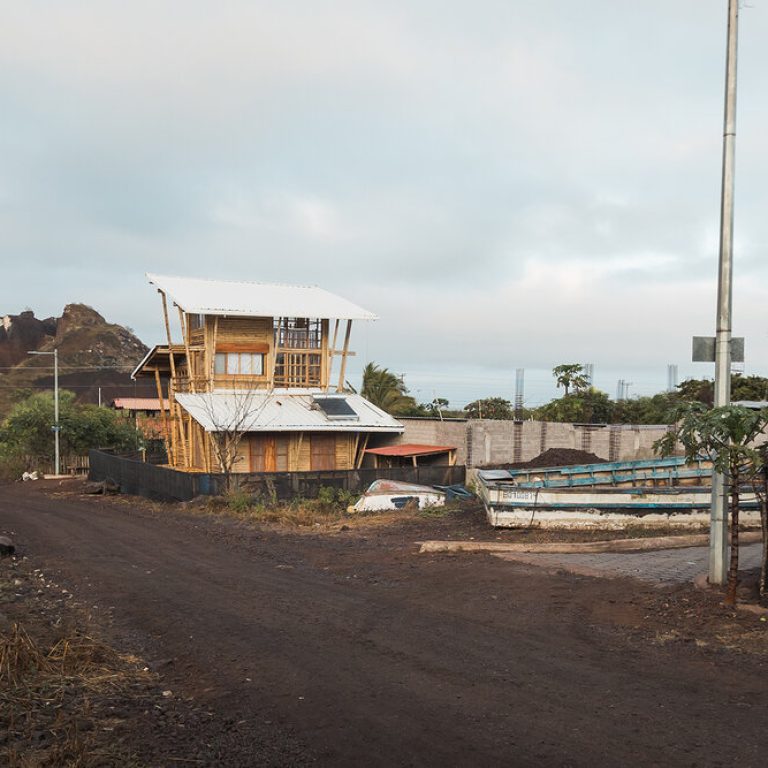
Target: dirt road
[349, 649]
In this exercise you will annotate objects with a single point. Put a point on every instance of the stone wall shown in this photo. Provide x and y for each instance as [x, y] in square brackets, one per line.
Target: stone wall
[480, 442]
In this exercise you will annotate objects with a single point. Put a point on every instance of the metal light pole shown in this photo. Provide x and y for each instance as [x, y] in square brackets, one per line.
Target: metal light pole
[56, 426]
[718, 530]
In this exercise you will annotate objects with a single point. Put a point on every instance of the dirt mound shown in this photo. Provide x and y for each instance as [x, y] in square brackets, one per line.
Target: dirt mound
[564, 457]
[554, 457]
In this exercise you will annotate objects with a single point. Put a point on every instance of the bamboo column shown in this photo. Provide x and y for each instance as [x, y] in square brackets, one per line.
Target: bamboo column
[170, 446]
[344, 354]
[185, 338]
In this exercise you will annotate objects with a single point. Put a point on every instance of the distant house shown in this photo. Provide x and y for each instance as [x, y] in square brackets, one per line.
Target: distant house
[146, 413]
[266, 361]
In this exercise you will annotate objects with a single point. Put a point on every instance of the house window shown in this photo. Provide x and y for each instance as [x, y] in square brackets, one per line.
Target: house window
[298, 342]
[297, 369]
[196, 321]
[298, 333]
[239, 364]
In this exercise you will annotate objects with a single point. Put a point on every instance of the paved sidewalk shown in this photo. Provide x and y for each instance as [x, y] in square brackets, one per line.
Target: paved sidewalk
[664, 566]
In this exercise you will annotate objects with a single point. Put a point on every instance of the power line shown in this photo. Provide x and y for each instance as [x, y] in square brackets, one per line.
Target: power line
[95, 385]
[30, 368]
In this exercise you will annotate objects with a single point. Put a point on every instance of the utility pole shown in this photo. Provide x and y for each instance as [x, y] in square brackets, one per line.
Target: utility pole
[718, 528]
[56, 425]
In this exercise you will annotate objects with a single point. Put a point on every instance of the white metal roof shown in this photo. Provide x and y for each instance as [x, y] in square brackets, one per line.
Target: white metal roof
[281, 411]
[223, 297]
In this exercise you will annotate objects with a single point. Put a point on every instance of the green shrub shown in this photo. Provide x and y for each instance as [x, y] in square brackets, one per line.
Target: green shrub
[239, 502]
[11, 468]
[330, 498]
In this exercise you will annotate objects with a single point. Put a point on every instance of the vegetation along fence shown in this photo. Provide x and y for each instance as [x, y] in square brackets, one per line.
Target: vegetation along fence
[69, 464]
[163, 484]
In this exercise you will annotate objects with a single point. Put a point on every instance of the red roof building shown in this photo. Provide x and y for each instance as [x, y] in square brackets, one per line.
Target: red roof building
[409, 453]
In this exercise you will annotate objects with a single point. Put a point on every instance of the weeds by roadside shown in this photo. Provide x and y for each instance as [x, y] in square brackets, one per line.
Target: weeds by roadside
[329, 507]
[55, 687]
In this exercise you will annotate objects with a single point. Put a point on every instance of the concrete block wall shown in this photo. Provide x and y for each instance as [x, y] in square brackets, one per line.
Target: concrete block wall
[480, 442]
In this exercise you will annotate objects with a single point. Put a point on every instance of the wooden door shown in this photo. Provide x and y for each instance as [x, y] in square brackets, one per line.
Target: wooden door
[323, 452]
[282, 461]
[263, 453]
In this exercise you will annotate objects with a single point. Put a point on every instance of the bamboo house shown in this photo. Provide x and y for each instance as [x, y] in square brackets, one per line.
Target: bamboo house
[255, 378]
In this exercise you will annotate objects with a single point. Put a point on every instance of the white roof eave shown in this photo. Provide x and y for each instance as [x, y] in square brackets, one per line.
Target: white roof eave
[250, 299]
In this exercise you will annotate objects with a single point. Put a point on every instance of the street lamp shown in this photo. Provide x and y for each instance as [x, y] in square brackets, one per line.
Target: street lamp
[56, 427]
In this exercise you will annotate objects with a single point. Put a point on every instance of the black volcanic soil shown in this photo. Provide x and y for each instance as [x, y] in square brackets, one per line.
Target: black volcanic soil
[553, 457]
[347, 648]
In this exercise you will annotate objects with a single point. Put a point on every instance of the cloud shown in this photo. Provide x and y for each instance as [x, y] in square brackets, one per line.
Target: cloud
[505, 184]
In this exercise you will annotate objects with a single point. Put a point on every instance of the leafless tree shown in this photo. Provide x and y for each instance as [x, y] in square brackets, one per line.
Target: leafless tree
[233, 413]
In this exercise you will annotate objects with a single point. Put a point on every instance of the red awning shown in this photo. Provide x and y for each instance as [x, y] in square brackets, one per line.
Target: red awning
[408, 450]
[138, 403]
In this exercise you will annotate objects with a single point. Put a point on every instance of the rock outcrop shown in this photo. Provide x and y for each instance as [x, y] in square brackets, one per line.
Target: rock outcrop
[95, 356]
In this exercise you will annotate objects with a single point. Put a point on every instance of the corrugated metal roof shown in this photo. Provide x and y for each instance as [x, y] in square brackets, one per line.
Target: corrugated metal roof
[138, 403]
[280, 411]
[159, 356]
[410, 449]
[222, 297]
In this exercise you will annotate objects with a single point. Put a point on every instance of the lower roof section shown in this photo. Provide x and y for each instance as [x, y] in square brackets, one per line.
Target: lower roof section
[284, 411]
[407, 450]
[139, 404]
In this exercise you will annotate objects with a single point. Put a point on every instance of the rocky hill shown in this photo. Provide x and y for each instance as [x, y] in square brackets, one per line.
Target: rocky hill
[20, 333]
[93, 354]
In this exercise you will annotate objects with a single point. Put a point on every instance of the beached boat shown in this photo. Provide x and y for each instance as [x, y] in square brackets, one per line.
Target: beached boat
[391, 494]
[668, 492]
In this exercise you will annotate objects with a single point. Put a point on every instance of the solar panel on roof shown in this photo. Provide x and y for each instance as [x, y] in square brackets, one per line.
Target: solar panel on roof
[335, 407]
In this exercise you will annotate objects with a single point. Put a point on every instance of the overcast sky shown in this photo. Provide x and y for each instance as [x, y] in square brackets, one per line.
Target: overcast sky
[506, 184]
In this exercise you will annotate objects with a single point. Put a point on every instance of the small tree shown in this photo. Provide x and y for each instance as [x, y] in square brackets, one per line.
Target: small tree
[761, 489]
[27, 429]
[436, 407]
[232, 413]
[727, 437]
[588, 406]
[570, 375]
[489, 408]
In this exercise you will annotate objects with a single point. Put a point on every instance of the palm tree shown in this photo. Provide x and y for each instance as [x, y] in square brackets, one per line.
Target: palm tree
[570, 375]
[386, 390]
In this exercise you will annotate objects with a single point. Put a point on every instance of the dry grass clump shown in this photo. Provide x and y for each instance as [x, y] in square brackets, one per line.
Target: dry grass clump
[48, 697]
[76, 657]
[329, 508]
[19, 658]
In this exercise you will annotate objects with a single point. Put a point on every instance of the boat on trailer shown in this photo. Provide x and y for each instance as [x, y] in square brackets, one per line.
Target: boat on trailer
[646, 493]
